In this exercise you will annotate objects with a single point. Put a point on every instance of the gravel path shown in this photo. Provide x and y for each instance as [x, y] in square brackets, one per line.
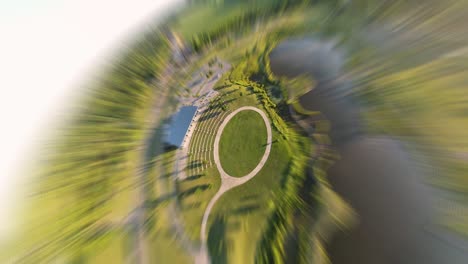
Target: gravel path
[227, 181]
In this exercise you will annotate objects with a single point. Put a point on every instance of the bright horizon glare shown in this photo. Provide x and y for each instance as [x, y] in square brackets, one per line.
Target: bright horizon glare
[47, 50]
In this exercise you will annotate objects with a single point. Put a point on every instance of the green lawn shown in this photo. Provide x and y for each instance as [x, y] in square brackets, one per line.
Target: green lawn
[242, 213]
[114, 125]
[240, 217]
[242, 143]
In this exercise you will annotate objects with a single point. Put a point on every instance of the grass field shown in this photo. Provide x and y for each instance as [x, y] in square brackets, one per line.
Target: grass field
[162, 244]
[243, 211]
[238, 219]
[100, 160]
[242, 143]
[203, 179]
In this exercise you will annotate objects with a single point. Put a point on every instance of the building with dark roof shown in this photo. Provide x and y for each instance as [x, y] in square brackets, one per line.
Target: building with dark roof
[180, 125]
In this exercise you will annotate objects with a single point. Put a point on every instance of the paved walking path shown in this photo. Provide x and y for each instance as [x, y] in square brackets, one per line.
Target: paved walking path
[227, 181]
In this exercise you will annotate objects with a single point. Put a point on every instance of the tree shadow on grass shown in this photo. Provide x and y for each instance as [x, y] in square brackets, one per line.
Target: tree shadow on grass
[230, 92]
[169, 161]
[209, 116]
[194, 177]
[194, 205]
[272, 142]
[194, 190]
[217, 241]
[194, 164]
[221, 87]
[248, 198]
[226, 102]
[245, 210]
[152, 204]
[250, 89]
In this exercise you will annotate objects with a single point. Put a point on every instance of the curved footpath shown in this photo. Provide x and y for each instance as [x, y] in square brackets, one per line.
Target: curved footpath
[227, 181]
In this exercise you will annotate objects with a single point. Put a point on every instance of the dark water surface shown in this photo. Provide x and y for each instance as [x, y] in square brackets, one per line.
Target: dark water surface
[375, 174]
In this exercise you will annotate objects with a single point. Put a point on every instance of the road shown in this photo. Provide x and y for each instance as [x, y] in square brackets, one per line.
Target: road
[137, 217]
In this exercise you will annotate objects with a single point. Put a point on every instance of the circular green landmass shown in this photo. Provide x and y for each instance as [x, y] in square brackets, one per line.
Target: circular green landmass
[242, 143]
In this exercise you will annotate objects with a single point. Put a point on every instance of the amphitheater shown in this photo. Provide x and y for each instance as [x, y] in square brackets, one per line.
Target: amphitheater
[200, 151]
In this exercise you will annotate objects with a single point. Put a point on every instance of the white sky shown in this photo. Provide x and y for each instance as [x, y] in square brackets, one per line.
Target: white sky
[46, 48]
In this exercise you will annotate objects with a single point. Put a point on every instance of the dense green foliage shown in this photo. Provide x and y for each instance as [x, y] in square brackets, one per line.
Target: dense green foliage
[271, 248]
[235, 17]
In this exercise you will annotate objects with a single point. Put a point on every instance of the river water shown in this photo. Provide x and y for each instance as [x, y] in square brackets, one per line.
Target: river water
[375, 174]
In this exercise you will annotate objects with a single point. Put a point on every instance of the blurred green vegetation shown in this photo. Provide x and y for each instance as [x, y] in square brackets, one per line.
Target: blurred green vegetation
[83, 189]
[410, 88]
[82, 208]
[410, 73]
